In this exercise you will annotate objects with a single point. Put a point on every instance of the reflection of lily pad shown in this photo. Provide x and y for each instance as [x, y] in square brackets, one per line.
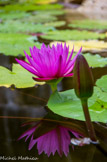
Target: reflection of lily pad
[68, 105]
[17, 26]
[86, 45]
[20, 77]
[72, 35]
[102, 83]
[89, 24]
[15, 44]
[29, 7]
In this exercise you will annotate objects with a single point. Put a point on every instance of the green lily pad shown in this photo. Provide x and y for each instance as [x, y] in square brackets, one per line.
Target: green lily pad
[43, 16]
[14, 15]
[55, 23]
[102, 83]
[19, 77]
[95, 60]
[68, 105]
[29, 7]
[89, 24]
[39, 18]
[15, 44]
[72, 35]
[17, 26]
[51, 12]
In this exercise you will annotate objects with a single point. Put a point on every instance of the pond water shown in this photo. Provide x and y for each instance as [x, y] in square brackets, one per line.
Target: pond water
[30, 102]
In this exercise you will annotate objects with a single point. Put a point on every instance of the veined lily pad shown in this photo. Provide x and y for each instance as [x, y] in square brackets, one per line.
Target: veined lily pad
[89, 24]
[15, 44]
[72, 35]
[68, 105]
[95, 60]
[19, 77]
[102, 83]
[17, 26]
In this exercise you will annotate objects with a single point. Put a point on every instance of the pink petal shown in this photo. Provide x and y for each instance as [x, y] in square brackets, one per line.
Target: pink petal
[27, 67]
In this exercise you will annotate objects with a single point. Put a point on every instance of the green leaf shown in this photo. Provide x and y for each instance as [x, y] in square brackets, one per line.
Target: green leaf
[17, 26]
[39, 18]
[51, 12]
[72, 35]
[55, 23]
[29, 7]
[19, 77]
[102, 83]
[68, 105]
[43, 16]
[14, 15]
[95, 60]
[89, 24]
[15, 44]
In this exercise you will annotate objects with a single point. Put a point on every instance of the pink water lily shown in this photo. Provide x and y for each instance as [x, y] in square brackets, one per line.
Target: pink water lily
[58, 139]
[50, 63]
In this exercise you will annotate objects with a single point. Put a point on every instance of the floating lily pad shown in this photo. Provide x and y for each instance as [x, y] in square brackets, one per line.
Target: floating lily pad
[45, 1]
[72, 35]
[95, 60]
[15, 44]
[29, 7]
[55, 23]
[68, 105]
[19, 77]
[86, 45]
[40, 18]
[89, 24]
[14, 15]
[38, 1]
[102, 83]
[17, 26]
[43, 16]
[51, 12]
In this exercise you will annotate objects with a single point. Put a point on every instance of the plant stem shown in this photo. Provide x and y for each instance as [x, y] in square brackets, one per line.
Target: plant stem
[53, 87]
[89, 124]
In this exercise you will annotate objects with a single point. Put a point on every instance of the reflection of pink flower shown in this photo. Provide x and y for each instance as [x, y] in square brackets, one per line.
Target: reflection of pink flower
[49, 63]
[57, 139]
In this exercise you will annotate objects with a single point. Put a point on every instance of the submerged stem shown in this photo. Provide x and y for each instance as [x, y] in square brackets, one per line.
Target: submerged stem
[89, 124]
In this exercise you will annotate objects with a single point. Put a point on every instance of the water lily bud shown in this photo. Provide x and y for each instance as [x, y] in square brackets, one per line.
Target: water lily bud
[83, 78]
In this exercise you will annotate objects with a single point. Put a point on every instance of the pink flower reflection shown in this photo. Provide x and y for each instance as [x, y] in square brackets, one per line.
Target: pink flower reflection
[49, 63]
[57, 139]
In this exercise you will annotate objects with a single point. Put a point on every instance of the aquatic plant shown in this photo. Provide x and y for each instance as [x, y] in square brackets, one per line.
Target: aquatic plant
[49, 63]
[83, 85]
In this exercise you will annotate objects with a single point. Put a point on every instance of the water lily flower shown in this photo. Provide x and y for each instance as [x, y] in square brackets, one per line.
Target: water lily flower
[58, 139]
[49, 63]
